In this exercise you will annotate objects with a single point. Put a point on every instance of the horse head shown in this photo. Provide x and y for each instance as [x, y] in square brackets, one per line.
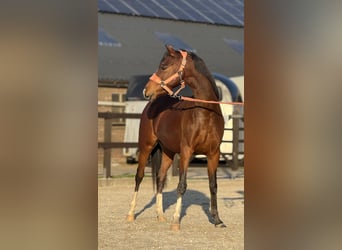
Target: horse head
[168, 75]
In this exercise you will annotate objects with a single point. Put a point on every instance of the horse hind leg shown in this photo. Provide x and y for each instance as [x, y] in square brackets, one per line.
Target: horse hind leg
[212, 169]
[161, 179]
[143, 157]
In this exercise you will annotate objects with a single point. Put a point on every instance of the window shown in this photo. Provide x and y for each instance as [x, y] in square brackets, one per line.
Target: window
[235, 45]
[120, 98]
[104, 39]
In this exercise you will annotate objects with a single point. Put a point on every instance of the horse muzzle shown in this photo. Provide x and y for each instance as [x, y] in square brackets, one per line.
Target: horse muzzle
[146, 96]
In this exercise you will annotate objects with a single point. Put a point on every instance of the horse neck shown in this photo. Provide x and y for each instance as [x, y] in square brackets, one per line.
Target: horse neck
[202, 88]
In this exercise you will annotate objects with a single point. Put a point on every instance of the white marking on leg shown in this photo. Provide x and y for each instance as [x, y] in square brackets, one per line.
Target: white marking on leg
[176, 215]
[133, 204]
[159, 204]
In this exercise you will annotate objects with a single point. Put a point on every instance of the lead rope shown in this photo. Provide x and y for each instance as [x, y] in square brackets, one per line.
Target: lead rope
[184, 98]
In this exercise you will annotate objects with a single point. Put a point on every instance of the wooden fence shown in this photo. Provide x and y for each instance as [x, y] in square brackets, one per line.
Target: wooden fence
[107, 144]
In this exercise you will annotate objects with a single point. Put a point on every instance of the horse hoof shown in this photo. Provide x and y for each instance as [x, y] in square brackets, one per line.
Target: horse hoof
[175, 227]
[220, 225]
[130, 218]
[161, 219]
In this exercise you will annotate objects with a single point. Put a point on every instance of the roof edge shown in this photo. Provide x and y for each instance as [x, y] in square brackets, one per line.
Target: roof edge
[171, 19]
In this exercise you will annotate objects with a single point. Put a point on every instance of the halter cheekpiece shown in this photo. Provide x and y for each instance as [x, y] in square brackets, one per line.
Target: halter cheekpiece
[164, 83]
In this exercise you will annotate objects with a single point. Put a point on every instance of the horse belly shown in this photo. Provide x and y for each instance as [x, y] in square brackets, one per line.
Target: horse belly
[200, 129]
[208, 138]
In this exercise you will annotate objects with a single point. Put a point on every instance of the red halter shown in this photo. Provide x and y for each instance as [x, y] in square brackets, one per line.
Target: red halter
[178, 74]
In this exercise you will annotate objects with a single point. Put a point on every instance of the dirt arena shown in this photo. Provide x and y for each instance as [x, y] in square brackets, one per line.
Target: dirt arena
[146, 232]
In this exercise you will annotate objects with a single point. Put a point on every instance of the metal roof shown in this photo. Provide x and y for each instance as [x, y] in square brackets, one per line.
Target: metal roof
[141, 49]
[222, 12]
[104, 39]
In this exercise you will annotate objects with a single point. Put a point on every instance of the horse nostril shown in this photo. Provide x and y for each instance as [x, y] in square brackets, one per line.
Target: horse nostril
[144, 94]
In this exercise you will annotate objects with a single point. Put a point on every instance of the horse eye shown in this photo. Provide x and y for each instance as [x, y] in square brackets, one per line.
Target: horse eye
[163, 67]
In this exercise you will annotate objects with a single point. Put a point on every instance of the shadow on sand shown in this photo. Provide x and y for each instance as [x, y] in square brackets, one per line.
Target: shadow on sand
[191, 197]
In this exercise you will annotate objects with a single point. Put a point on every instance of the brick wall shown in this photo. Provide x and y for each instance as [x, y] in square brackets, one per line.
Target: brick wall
[118, 128]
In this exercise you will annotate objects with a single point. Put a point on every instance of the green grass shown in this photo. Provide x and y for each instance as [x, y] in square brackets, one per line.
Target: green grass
[124, 175]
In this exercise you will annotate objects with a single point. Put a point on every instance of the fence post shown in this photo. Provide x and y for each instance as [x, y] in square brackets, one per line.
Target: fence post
[107, 157]
[236, 117]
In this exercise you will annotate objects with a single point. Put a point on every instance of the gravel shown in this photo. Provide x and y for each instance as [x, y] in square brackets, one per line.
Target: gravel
[197, 232]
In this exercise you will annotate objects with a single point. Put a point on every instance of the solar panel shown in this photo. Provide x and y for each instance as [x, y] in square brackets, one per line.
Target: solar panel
[106, 40]
[235, 45]
[143, 8]
[174, 41]
[225, 12]
[160, 9]
[104, 5]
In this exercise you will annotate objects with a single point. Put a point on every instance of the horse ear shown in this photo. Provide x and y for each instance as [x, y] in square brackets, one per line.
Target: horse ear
[170, 49]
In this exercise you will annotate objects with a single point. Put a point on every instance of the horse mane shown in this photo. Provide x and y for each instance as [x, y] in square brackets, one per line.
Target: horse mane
[202, 68]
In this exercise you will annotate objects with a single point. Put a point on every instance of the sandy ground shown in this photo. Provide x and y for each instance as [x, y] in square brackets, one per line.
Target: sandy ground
[197, 232]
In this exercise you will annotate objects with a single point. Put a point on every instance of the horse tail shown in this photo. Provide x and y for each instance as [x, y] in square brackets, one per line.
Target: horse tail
[155, 164]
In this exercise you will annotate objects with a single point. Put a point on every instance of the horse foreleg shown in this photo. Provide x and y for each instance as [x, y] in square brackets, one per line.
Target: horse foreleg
[131, 212]
[212, 168]
[180, 192]
[165, 165]
[143, 157]
[182, 185]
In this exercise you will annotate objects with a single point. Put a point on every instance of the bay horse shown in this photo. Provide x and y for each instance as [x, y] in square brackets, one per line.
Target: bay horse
[178, 126]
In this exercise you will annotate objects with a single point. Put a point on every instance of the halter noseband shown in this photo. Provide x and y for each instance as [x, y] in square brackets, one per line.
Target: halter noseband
[178, 74]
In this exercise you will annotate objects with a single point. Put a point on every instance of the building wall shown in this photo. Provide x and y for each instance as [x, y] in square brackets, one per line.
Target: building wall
[142, 50]
[118, 126]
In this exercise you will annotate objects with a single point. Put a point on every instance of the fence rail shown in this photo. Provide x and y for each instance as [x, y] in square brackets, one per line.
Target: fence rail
[110, 115]
[107, 144]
